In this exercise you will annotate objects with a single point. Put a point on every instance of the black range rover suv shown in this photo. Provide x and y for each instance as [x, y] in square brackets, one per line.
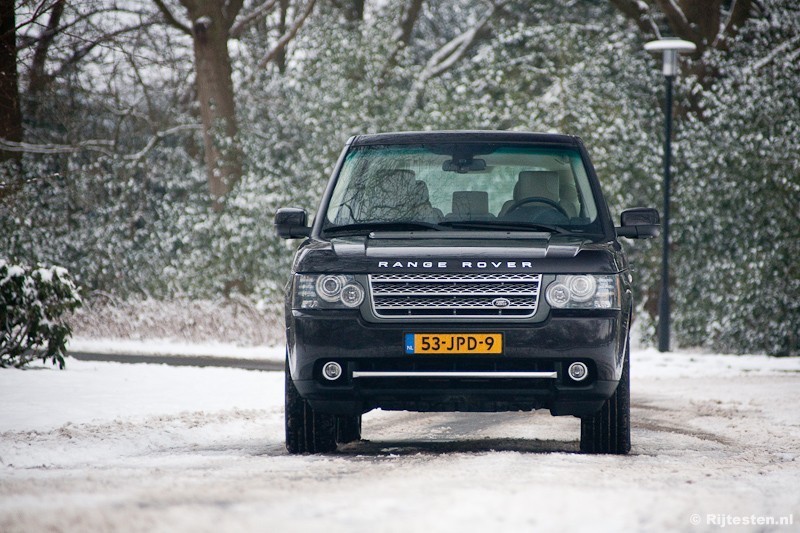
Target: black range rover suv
[459, 271]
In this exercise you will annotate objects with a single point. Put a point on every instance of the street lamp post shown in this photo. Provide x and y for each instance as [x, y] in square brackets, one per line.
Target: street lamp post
[670, 48]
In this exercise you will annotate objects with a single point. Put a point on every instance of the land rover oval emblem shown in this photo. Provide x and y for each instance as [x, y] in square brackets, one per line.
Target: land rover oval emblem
[501, 302]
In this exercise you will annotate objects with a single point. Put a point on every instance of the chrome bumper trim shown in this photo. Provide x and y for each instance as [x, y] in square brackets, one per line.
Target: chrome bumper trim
[480, 375]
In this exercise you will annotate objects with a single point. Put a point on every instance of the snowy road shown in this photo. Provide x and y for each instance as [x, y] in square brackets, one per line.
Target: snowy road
[106, 446]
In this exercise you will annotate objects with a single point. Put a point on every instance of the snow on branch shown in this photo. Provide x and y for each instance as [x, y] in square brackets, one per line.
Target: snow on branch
[779, 50]
[105, 147]
[102, 146]
[158, 137]
[402, 37]
[444, 59]
[241, 25]
[740, 10]
[403, 32]
[285, 38]
[678, 21]
[639, 12]
[170, 18]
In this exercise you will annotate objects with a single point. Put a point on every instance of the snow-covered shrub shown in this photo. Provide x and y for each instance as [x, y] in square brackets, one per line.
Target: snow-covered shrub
[737, 198]
[34, 303]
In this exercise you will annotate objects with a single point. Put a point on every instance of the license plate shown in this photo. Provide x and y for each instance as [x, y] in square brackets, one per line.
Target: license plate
[454, 343]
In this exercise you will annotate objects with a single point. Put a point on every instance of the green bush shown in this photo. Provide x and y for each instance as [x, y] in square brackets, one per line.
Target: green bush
[33, 305]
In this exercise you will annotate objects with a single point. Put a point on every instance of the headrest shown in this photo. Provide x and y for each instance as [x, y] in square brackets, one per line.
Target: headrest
[539, 183]
[395, 181]
[470, 203]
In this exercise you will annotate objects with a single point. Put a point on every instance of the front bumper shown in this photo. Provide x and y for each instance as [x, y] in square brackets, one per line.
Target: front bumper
[547, 347]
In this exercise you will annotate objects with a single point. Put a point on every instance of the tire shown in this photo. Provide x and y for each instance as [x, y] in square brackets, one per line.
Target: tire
[609, 430]
[306, 430]
[348, 429]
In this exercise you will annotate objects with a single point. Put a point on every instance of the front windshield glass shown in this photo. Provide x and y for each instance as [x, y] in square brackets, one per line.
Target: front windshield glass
[464, 186]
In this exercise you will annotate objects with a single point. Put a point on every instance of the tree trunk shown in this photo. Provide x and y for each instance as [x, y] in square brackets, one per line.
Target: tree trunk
[213, 72]
[280, 58]
[10, 114]
[403, 37]
[38, 74]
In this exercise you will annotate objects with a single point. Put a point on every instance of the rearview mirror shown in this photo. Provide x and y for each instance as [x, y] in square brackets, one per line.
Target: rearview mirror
[290, 222]
[639, 223]
[464, 165]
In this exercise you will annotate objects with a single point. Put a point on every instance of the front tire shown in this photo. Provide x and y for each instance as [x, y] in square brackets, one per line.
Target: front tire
[307, 431]
[609, 430]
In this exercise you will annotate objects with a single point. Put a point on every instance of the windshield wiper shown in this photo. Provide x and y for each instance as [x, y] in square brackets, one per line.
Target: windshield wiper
[502, 226]
[361, 227]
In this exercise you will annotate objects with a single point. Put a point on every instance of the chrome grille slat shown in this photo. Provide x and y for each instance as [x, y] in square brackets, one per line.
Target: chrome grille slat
[454, 301]
[480, 288]
[456, 278]
[454, 295]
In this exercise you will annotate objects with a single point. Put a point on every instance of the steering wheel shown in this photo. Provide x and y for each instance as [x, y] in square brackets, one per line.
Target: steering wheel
[536, 199]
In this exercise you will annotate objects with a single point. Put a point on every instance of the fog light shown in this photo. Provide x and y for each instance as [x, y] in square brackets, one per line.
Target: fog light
[332, 371]
[578, 371]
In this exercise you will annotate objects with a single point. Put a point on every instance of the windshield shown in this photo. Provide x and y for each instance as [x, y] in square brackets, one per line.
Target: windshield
[464, 186]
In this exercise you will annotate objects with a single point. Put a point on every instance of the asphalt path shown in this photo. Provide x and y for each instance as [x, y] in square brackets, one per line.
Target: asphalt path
[172, 360]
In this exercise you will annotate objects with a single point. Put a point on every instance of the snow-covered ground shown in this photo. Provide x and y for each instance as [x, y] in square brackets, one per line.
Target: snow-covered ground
[107, 447]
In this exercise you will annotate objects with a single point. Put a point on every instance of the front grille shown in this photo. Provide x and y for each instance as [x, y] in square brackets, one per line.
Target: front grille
[454, 295]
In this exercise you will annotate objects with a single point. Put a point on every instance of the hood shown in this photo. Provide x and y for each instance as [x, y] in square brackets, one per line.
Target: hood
[442, 252]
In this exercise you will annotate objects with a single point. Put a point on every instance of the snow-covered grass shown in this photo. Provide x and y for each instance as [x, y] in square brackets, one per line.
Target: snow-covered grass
[106, 446]
[234, 321]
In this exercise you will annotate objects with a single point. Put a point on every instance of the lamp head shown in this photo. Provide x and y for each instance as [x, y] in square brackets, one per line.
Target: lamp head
[671, 47]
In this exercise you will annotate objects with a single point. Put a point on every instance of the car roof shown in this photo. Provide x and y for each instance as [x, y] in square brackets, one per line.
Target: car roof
[462, 136]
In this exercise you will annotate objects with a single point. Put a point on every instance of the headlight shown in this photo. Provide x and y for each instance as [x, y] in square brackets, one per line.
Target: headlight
[584, 291]
[329, 288]
[326, 291]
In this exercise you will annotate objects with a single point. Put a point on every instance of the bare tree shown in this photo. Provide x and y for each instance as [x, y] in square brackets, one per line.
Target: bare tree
[38, 77]
[289, 33]
[402, 37]
[709, 24]
[212, 23]
[447, 57]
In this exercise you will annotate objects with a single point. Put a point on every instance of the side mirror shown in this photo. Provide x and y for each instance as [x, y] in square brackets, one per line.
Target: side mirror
[290, 222]
[639, 223]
